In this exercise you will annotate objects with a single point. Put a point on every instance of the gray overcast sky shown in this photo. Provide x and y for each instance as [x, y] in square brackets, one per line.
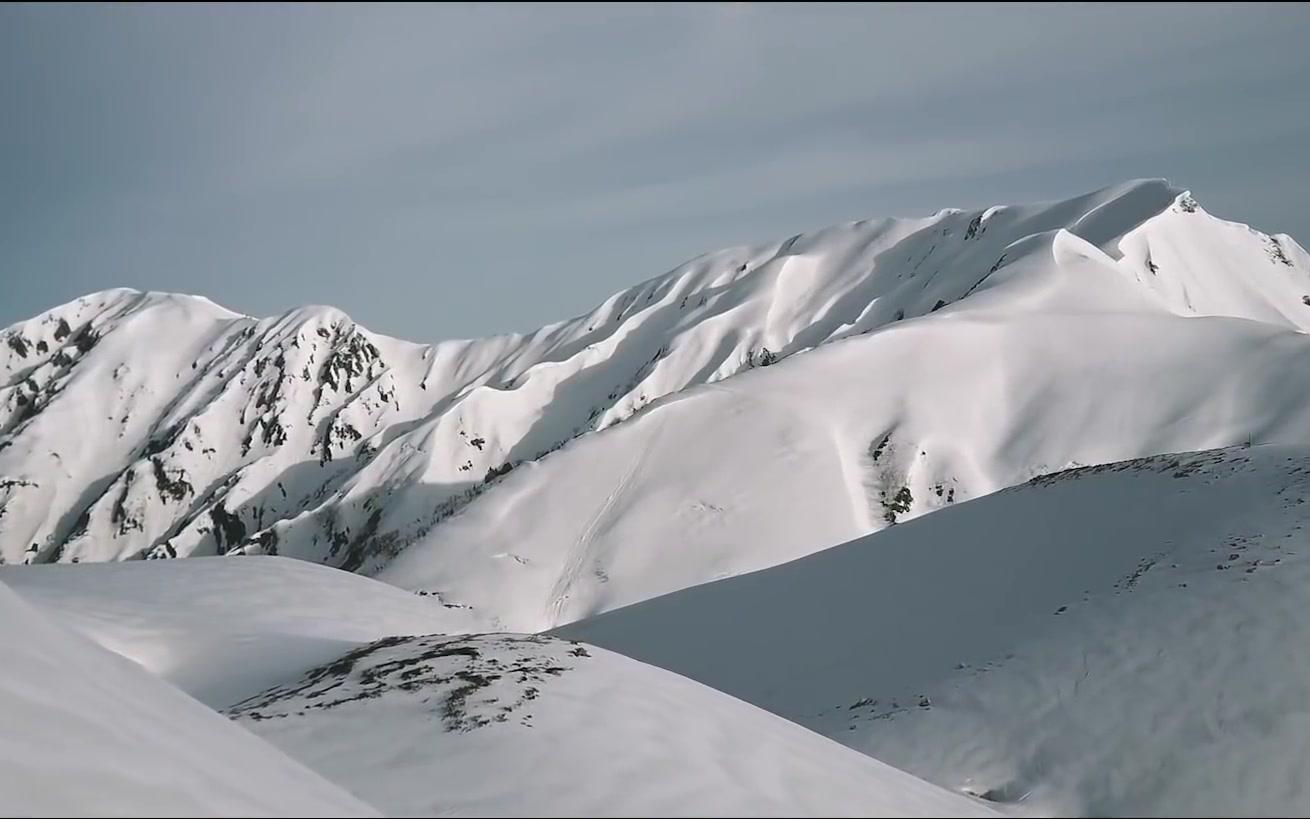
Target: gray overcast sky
[444, 171]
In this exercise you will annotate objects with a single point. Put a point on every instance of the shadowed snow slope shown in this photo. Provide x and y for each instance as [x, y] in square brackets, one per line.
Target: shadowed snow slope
[1119, 639]
[88, 733]
[222, 630]
[510, 725]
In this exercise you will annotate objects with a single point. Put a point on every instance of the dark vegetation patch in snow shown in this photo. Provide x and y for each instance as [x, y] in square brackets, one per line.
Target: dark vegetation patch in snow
[170, 487]
[467, 682]
[1276, 253]
[1181, 466]
[898, 504]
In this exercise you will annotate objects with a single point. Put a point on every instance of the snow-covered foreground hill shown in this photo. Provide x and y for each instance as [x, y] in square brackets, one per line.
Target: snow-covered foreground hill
[1133, 332]
[795, 395]
[88, 733]
[667, 477]
[1120, 639]
[222, 630]
[411, 725]
[514, 725]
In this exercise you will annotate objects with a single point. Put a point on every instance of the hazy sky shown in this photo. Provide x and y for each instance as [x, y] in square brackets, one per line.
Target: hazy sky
[442, 171]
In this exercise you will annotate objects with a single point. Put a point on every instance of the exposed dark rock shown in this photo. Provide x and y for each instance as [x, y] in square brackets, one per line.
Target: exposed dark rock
[229, 530]
[170, 488]
[86, 339]
[898, 505]
[468, 682]
[118, 514]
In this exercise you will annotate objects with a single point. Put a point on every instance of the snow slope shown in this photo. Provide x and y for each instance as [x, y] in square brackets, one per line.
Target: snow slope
[1112, 640]
[1068, 354]
[770, 467]
[512, 725]
[309, 436]
[1119, 639]
[413, 725]
[89, 733]
[222, 630]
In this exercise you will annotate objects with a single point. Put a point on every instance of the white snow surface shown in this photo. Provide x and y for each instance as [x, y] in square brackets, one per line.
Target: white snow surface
[966, 352]
[409, 724]
[1113, 640]
[666, 476]
[222, 630]
[517, 725]
[1072, 352]
[89, 733]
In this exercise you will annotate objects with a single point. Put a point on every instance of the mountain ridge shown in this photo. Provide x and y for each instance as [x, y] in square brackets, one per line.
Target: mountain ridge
[309, 435]
[984, 213]
[731, 471]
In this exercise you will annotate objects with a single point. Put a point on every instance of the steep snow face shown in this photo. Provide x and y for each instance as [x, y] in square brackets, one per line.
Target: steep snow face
[507, 725]
[768, 467]
[143, 424]
[976, 344]
[1111, 640]
[82, 736]
[1065, 356]
[222, 630]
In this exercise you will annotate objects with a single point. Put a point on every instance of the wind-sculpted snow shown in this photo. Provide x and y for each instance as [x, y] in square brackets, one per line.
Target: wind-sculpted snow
[700, 424]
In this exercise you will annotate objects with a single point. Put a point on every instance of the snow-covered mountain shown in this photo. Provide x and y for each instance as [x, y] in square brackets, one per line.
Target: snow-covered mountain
[1116, 383]
[513, 725]
[1121, 639]
[222, 630]
[411, 724]
[88, 733]
[977, 349]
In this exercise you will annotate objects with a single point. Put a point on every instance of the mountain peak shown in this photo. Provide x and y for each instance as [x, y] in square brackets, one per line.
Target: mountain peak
[746, 411]
[175, 426]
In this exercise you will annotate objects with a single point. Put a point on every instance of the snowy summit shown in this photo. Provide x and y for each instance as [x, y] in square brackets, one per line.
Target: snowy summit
[996, 511]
